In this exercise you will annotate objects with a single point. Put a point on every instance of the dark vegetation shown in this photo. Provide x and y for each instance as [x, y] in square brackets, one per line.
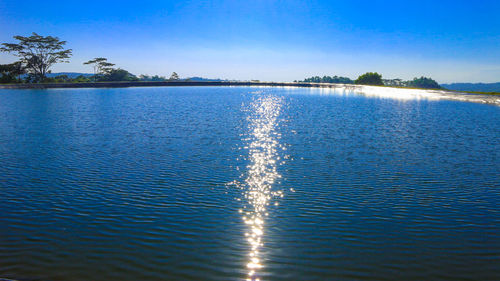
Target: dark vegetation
[37, 54]
[328, 79]
[370, 78]
[373, 78]
[154, 78]
[423, 82]
[11, 73]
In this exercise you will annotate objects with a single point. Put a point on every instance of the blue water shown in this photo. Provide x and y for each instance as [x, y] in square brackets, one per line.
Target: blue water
[237, 183]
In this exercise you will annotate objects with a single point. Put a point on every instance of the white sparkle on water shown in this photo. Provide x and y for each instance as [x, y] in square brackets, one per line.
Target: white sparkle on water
[263, 147]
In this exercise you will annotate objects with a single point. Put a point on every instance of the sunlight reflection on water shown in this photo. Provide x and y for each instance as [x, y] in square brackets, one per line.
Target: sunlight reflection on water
[263, 154]
[405, 94]
[127, 184]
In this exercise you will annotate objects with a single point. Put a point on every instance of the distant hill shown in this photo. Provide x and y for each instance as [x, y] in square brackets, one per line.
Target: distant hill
[201, 79]
[69, 74]
[76, 74]
[475, 87]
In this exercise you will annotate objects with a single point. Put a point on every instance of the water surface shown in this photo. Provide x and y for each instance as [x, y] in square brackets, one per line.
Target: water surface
[237, 183]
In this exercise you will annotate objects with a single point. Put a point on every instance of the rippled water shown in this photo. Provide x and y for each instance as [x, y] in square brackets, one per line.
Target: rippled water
[247, 183]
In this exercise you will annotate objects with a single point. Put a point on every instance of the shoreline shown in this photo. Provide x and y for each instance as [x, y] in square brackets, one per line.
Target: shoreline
[379, 91]
[126, 84]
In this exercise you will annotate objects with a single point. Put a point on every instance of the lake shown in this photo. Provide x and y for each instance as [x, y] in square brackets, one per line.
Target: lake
[247, 183]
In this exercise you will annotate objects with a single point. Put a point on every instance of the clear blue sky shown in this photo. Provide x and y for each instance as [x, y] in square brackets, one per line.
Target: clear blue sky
[451, 41]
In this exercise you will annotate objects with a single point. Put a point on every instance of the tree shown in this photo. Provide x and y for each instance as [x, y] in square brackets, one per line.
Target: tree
[101, 66]
[62, 78]
[80, 79]
[154, 78]
[118, 75]
[370, 78]
[38, 53]
[329, 79]
[424, 82]
[9, 72]
[174, 77]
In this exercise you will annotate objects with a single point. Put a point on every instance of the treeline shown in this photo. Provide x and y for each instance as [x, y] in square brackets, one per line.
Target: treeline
[422, 82]
[328, 79]
[113, 75]
[374, 78]
[37, 54]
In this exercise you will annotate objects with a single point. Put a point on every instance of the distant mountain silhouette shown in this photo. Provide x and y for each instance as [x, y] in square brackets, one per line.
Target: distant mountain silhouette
[73, 75]
[201, 79]
[70, 74]
[475, 87]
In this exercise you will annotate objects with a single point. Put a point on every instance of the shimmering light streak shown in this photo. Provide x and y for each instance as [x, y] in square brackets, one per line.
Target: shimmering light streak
[263, 154]
[407, 94]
